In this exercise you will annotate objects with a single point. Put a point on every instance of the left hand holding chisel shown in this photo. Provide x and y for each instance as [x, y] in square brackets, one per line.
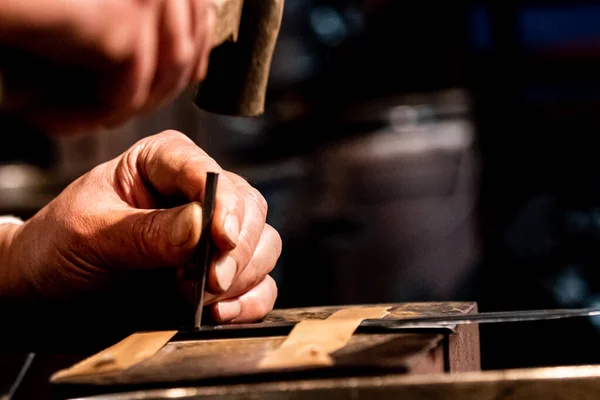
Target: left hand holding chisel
[116, 224]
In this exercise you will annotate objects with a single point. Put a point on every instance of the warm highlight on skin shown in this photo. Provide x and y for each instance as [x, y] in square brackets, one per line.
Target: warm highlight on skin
[110, 221]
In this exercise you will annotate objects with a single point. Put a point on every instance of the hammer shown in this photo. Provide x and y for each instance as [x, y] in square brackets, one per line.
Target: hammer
[244, 40]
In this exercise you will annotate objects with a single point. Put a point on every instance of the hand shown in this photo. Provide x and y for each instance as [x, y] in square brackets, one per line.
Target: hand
[72, 66]
[114, 225]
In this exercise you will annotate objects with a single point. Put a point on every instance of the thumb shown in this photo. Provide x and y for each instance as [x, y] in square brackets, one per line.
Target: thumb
[159, 238]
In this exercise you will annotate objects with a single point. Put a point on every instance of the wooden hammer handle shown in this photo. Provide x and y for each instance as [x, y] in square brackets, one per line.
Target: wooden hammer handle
[239, 65]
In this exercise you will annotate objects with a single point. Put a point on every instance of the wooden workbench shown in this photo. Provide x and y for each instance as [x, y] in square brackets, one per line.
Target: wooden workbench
[231, 361]
[426, 364]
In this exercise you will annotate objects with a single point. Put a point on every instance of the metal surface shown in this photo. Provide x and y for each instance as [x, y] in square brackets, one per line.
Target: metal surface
[17, 383]
[492, 317]
[386, 325]
[198, 271]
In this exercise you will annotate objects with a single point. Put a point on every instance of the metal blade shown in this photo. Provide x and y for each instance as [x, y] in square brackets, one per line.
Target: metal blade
[485, 318]
[438, 321]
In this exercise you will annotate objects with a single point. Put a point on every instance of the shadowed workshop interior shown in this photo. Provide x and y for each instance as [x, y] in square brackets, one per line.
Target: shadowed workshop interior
[410, 151]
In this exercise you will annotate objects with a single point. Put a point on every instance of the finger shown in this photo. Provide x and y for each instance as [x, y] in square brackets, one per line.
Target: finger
[262, 263]
[176, 53]
[232, 264]
[249, 307]
[129, 85]
[147, 239]
[144, 70]
[205, 15]
[173, 165]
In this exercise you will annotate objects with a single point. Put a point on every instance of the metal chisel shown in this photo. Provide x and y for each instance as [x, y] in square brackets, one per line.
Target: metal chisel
[198, 270]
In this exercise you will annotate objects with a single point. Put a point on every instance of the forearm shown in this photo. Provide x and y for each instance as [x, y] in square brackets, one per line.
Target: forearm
[18, 313]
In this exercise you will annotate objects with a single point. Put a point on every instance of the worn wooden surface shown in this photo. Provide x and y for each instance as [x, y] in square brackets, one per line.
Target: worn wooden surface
[557, 383]
[236, 360]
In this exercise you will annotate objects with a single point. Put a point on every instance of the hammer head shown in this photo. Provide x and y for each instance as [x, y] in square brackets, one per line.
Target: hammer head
[244, 40]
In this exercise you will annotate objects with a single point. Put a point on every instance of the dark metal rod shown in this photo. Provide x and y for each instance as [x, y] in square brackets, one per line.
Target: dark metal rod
[17, 383]
[205, 245]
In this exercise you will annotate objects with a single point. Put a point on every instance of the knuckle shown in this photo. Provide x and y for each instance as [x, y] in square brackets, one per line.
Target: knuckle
[245, 249]
[161, 142]
[272, 287]
[121, 33]
[114, 45]
[126, 183]
[274, 239]
[265, 302]
[191, 161]
[259, 200]
[236, 179]
[114, 40]
[172, 134]
[143, 158]
[182, 54]
[254, 277]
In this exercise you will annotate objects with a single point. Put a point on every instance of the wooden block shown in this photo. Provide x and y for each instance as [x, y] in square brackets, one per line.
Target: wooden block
[233, 361]
[460, 351]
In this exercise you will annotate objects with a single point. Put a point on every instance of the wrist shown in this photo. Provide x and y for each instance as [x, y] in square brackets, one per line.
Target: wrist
[15, 305]
[9, 277]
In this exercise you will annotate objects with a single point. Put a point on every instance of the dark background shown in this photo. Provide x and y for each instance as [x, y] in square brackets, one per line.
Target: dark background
[510, 219]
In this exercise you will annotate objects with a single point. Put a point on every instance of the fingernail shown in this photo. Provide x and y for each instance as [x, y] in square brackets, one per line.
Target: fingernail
[229, 310]
[226, 269]
[232, 229]
[183, 225]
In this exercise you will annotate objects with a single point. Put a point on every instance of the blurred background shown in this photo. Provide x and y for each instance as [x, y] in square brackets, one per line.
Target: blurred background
[410, 151]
